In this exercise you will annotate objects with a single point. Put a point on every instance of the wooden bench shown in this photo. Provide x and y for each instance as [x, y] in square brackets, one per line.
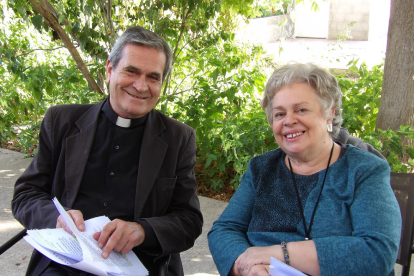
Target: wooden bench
[403, 186]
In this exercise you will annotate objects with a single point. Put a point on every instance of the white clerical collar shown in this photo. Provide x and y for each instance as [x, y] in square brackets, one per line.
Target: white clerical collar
[122, 122]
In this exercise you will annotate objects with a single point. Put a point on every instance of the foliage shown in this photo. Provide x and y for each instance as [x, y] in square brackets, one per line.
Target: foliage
[273, 7]
[360, 104]
[362, 97]
[390, 143]
[224, 110]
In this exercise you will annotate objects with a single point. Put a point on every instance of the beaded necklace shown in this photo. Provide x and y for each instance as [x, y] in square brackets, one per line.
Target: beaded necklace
[308, 230]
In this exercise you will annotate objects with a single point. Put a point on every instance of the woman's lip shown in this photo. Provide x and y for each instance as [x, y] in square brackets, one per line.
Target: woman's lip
[294, 134]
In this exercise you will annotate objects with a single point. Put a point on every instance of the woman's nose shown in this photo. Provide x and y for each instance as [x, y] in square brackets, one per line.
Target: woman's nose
[290, 119]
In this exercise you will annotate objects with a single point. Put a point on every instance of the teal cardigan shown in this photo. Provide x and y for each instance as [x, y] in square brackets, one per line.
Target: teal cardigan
[356, 228]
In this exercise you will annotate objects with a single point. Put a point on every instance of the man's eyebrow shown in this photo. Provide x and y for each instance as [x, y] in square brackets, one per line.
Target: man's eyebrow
[133, 68]
[130, 67]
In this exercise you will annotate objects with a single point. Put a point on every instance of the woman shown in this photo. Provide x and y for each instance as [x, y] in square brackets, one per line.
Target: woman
[330, 206]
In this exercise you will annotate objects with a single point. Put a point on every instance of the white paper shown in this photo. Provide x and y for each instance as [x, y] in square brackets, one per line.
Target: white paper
[278, 268]
[82, 251]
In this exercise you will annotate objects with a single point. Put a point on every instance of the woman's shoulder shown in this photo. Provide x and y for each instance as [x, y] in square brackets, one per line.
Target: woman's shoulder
[357, 158]
[355, 152]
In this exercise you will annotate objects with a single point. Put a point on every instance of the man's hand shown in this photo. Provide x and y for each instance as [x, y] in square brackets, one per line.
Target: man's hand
[255, 260]
[120, 236]
[77, 218]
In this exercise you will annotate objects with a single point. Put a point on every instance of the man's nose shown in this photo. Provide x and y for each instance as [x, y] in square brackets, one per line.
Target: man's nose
[140, 84]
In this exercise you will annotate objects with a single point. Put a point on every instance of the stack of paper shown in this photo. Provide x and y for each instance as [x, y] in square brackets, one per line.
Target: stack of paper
[81, 251]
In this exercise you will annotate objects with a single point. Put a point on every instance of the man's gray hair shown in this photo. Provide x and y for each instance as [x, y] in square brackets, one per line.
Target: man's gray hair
[141, 37]
[325, 84]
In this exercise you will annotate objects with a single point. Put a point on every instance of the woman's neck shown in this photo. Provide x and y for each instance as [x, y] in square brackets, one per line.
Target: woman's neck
[307, 165]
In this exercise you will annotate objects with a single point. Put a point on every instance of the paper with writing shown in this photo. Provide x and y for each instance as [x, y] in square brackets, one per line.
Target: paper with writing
[81, 251]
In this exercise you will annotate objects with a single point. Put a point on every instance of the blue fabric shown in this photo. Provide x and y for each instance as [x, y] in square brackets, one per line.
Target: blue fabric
[356, 228]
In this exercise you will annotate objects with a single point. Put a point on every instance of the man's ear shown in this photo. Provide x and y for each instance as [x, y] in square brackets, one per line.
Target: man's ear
[108, 70]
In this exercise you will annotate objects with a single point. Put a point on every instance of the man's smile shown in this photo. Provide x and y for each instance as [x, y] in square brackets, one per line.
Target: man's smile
[136, 97]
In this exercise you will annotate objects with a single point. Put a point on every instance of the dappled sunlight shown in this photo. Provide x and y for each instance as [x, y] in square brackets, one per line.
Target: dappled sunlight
[7, 211]
[5, 174]
[9, 225]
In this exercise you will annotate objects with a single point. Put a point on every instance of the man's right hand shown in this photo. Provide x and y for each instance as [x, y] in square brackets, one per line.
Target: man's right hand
[77, 217]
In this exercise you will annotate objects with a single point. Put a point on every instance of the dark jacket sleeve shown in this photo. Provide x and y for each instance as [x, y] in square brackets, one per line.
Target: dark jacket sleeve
[32, 202]
[182, 223]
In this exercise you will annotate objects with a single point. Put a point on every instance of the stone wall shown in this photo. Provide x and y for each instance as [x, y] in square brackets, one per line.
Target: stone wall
[345, 12]
[369, 20]
[262, 30]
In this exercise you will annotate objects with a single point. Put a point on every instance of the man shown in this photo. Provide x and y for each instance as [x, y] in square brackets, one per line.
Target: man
[119, 158]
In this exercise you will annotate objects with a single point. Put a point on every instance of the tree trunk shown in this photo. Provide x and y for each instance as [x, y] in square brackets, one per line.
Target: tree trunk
[42, 9]
[397, 99]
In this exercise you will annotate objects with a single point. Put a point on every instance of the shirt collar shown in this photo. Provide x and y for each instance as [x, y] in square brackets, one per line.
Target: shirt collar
[119, 121]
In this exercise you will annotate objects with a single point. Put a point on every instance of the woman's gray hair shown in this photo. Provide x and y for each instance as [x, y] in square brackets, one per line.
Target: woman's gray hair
[326, 86]
[141, 37]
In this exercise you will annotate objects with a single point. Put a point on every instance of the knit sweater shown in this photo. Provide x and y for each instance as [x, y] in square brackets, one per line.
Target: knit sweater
[356, 229]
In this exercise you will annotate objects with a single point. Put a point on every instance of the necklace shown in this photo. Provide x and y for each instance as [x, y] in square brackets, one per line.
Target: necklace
[308, 230]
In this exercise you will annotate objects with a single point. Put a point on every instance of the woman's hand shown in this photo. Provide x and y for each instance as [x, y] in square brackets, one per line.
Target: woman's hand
[256, 270]
[256, 260]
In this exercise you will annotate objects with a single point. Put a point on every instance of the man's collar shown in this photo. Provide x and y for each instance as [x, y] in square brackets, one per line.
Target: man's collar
[119, 121]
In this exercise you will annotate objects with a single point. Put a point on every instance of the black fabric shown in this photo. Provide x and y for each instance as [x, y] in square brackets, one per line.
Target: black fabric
[55, 269]
[109, 181]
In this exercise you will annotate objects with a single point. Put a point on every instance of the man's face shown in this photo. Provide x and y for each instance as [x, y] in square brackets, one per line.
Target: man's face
[135, 84]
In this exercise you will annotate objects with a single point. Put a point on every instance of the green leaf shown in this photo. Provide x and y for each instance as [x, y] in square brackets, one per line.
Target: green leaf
[215, 74]
[73, 79]
[210, 158]
[75, 27]
[62, 19]
[410, 152]
[21, 10]
[215, 62]
[37, 94]
[37, 21]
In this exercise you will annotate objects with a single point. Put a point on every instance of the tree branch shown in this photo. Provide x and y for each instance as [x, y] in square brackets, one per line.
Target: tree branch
[41, 8]
[51, 49]
[185, 16]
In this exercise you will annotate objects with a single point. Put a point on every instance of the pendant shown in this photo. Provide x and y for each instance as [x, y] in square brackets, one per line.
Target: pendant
[306, 239]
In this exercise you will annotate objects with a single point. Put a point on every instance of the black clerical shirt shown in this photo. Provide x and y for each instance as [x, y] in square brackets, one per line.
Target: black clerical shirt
[109, 181]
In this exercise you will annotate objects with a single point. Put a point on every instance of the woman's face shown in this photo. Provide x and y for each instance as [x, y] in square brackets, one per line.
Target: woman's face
[299, 124]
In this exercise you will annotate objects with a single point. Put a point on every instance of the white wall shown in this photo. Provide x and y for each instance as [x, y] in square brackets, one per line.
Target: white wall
[310, 23]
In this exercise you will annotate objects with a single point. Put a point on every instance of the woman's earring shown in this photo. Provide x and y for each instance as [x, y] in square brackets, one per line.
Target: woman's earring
[329, 126]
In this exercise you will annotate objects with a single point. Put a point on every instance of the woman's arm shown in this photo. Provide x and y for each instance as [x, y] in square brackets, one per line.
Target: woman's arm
[302, 256]
[374, 215]
[228, 236]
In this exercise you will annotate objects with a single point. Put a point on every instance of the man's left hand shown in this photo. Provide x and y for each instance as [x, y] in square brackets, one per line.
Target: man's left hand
[120, 236]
